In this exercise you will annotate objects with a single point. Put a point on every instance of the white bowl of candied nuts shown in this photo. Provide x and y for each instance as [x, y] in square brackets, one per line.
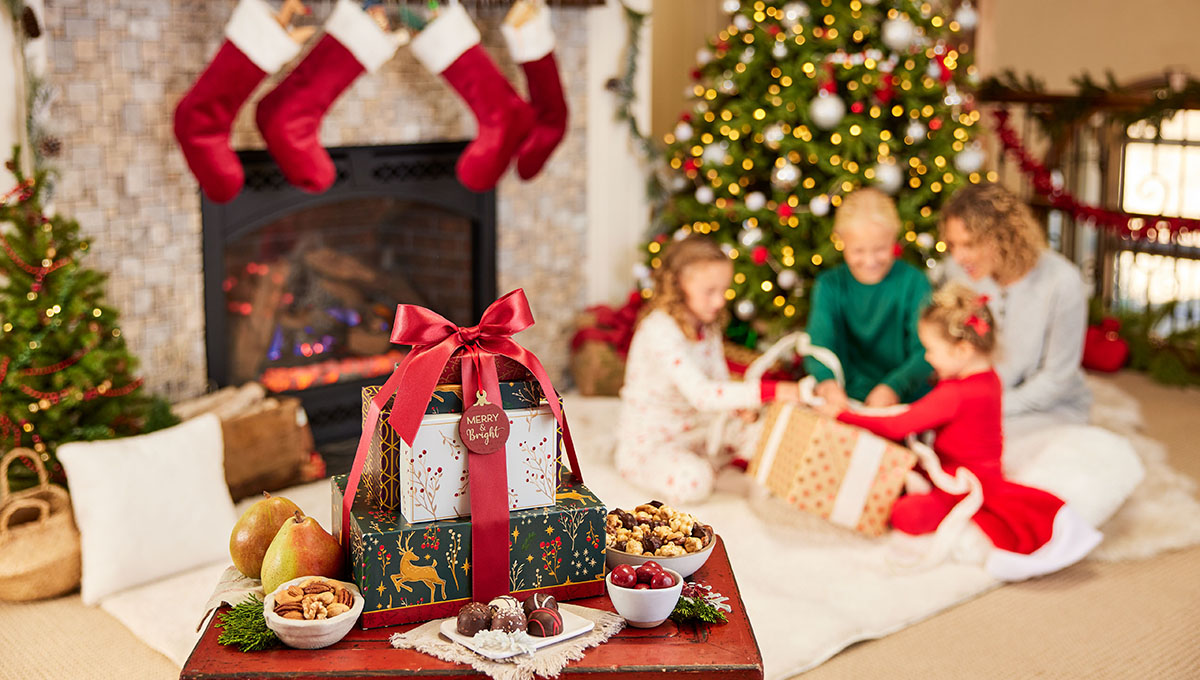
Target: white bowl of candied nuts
[675, 540]
[312, 612]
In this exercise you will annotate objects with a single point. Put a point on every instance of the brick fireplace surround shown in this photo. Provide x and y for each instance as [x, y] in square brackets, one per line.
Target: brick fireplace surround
[121, 67]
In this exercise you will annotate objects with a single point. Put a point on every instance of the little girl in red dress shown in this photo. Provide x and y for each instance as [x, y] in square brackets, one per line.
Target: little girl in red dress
[1033, 531]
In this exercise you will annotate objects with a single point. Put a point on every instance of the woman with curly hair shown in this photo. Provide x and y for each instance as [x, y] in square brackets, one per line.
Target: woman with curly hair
[1037, 296]
[676, 379]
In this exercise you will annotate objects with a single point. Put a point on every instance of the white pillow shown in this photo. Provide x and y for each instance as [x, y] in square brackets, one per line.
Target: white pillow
[149, 506]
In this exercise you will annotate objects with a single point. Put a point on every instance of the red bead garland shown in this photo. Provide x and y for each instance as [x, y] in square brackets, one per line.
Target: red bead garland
[1124, 224]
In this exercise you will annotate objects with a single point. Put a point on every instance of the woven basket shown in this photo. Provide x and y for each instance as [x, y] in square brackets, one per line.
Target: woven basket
[39, 543]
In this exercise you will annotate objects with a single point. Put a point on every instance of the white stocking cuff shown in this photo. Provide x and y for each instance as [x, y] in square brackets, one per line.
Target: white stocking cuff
[252, 28]
[531, 40]
[357, 31]
[445, 39]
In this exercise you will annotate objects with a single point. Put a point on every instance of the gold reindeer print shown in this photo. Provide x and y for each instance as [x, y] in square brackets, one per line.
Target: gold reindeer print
[415, 573]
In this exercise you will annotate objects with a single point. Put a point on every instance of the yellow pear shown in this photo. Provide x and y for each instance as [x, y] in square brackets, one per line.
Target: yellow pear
[255, 530]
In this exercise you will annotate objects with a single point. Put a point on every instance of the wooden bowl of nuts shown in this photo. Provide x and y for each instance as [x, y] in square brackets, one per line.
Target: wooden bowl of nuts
[312, 612]
[655, 531]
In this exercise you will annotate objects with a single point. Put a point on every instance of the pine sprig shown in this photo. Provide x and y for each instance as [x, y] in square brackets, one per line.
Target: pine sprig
[246, 627]
[697, 609]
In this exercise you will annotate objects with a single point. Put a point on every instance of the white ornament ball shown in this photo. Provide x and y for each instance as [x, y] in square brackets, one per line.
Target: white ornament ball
[744, 309]
[750, 236]
[785, 177]
[969, 159]
[967, 17]
[714, 153]
[826, 110]
[787, 279]
[795, 12]
[888, 177]
[704, 194]
[755, 201]
[915, 130]
[683, 131]
[742, 22]
[731, 6]
[679, 182]
[727, 86]
[703, 56]
[773, 135]
[681, 233]
[925, 240]
[933, 70]
[780, 50]
[819, 205]
[641, 271]
[899, 34]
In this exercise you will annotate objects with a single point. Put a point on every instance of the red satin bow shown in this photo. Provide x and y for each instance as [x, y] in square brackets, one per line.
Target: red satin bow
[434, 341]
[980, 326]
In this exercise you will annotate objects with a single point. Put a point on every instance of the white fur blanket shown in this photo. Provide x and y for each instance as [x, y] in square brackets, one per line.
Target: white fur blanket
[843, 583]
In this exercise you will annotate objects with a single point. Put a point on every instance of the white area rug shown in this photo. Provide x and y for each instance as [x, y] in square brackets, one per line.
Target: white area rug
[833, 587]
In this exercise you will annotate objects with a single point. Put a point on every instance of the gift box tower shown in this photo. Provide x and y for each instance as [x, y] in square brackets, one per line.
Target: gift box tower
[414, 561]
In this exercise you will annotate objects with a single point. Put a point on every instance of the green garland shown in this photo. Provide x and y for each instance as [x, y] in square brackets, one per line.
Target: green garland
[246, 627]
[697, 609]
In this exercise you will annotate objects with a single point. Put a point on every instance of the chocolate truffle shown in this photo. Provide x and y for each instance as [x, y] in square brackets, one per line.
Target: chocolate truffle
[504, 602]
[545, 622]
[540, 601]
[473, 617]
[508, 620]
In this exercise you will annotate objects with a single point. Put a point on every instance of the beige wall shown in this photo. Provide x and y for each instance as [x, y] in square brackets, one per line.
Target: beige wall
[1060, 39]
[679, 29]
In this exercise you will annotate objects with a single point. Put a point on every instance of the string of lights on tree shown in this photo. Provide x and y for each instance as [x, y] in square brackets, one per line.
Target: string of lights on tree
[794, 105]
[1121, 223]
[65, 374]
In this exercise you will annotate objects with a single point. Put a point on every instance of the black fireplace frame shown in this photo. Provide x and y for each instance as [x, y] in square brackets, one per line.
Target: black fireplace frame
[415, 172]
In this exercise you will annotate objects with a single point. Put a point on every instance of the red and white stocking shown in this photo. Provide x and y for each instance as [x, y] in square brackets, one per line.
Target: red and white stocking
[449, 46]
[289, 117]
[532, 46]
[255, 46]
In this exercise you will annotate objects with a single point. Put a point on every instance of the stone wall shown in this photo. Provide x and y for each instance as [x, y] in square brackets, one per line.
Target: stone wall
[122, 66]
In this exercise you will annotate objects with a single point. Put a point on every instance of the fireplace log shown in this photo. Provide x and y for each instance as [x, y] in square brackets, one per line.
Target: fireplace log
[251, 335]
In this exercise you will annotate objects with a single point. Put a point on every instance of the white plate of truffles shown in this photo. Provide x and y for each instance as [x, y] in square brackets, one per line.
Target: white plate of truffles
[506, 627]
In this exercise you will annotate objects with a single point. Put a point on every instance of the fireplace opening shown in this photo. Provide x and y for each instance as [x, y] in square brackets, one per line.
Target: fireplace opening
[301, 290]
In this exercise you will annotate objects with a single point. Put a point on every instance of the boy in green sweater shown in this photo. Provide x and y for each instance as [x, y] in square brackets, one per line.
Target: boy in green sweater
[866, 310]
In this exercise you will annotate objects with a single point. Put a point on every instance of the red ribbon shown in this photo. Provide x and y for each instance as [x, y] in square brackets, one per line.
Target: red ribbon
[434, 341]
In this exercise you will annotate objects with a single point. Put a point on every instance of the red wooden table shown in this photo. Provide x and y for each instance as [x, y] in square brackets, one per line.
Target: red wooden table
[724, 651]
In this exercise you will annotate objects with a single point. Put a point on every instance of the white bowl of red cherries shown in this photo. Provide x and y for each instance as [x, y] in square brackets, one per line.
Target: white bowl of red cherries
[646, 595]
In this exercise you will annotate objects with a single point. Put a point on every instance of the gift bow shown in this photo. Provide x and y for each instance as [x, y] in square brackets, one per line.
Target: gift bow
[434, 341]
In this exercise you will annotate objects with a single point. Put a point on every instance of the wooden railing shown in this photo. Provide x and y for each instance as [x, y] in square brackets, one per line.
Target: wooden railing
[1088, 154]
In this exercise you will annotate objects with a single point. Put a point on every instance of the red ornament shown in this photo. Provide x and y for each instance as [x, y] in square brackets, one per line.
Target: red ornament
[685, 117]
[695, 74]
[935, 124]
[774, 30]
[785, 211]
[887, 88]
[691, 165]
[759, 255]
[1103, 347]
[856, 107]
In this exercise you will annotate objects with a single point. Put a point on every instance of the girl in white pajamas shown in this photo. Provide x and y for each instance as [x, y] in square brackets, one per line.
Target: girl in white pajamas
[676, 379]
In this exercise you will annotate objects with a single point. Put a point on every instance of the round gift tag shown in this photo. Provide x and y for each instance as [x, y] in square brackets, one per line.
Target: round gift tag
[484, 426]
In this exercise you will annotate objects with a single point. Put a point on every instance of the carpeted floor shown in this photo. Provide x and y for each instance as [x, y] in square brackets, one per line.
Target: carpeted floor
[1136, 619]
[1132, 619]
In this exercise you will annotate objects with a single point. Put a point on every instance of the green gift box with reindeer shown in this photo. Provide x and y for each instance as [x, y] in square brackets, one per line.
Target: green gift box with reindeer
[416, 572]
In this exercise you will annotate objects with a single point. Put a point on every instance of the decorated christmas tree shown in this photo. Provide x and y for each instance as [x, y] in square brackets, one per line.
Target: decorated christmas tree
[65, 373]
[797, 103]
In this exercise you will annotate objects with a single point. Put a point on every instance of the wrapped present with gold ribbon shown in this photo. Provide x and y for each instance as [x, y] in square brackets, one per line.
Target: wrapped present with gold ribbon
[836, 471]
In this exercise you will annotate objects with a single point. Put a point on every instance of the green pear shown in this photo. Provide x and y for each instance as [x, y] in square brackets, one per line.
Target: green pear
[255, 530]
[301, 548]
